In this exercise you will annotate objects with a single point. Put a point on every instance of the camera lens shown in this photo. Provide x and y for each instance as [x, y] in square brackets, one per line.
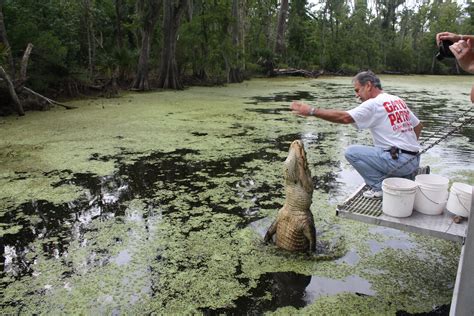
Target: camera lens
[444, 51]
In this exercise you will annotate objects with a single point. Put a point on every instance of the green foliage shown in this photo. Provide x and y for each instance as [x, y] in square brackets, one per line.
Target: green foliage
[349, 68]
[334, 35]
[398, 59]
[125, 58]
[205, 44]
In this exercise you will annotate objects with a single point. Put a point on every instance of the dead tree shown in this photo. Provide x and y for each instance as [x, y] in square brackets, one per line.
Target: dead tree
[19, 93]
[12, 91]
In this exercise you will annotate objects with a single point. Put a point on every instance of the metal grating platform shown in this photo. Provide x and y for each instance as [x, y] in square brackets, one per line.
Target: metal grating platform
[360, 205]
[365, 210]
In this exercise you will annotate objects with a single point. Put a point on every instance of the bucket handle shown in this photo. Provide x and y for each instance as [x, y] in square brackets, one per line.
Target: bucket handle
[460, 202]
[429, 198]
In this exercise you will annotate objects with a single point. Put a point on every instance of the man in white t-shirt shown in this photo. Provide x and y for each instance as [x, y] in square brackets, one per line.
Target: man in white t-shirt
[395, 132]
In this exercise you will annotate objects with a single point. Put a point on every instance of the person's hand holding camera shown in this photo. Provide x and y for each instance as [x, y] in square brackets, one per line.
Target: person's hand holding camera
[462, 50]
[460, 46]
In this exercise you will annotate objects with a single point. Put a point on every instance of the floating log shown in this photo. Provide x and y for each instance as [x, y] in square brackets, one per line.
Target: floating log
[296, 72]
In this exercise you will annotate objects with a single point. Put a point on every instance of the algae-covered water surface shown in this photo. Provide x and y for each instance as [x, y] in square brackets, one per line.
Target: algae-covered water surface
[157, 203]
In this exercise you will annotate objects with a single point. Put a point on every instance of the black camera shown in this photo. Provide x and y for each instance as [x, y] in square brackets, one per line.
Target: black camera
[444, 51]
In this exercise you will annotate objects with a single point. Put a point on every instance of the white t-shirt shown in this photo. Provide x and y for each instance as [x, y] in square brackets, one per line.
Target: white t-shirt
[389, 120]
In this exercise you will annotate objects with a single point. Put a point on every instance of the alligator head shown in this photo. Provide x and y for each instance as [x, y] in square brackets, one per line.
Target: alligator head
[298, 182]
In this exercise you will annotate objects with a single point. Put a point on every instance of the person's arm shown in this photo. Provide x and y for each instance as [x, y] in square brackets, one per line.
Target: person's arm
[417, 129]
[335, 116]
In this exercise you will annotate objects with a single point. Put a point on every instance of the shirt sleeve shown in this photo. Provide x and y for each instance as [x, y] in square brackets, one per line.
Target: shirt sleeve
[363, 115]
[413, 119]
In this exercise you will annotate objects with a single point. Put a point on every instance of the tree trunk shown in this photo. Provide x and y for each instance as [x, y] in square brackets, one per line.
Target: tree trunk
[141, 79]
[4, 40]
[11, 89]
[118, 23]
[118, 35]
[168, 72]
[235, 73]
[281, 28]
[201, 51]
[91, 45]
[149, 13]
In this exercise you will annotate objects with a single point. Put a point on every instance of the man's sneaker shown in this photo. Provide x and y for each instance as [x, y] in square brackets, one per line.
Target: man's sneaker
[371, 194]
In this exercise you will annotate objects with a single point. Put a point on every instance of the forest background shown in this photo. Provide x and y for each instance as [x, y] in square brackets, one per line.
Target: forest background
[65, 48]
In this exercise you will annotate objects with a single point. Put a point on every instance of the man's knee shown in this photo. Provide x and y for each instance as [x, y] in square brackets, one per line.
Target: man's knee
[352, 152]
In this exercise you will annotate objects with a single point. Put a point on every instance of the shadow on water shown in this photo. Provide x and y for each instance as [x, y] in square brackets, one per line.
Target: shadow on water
[286, 288]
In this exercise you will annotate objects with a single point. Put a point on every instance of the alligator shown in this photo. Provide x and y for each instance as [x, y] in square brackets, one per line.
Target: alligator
[294, 225]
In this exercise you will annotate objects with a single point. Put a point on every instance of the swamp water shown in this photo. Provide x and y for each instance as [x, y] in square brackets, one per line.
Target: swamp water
[157, 203]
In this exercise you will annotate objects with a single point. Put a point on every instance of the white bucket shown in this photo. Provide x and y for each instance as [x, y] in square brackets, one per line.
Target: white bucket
[459, 201]
[431, 194]
[398, 196]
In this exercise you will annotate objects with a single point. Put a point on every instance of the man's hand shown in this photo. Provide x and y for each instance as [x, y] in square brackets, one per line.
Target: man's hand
[300, 108]
[462, 50]
[447, 36]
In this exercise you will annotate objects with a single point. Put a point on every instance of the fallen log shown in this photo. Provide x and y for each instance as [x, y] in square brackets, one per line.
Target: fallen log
[48, 100]
[388, 72]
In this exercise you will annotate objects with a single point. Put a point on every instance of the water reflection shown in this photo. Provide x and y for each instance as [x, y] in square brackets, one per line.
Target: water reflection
[351, 258]
[284, 97]
[292, 289]
[394, 239]
[321, 286]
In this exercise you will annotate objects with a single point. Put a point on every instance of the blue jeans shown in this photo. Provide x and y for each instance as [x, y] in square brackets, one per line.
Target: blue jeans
[374, 164]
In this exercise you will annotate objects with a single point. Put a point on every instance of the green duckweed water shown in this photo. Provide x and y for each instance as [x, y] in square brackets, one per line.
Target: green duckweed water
[157, 202]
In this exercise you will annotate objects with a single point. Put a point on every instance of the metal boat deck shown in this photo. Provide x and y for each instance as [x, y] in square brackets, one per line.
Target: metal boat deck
[358, 208]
